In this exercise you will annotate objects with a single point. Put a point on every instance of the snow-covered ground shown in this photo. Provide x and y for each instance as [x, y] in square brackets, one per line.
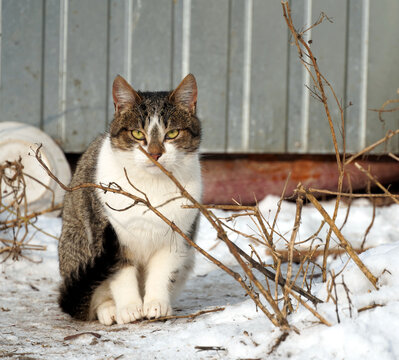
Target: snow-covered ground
[33, 327]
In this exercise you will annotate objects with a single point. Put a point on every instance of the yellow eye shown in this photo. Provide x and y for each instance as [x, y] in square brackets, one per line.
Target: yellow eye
[137, 134]
[172, 134]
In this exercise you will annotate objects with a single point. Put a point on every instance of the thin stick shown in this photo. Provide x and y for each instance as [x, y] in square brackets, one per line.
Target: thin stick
[221, 207]
[313, 311]
[393, 156]
[13, 222]
[328, 192]
[382, 109]
[373, 179]
[344, 243]
[389, 134]
[299, 204]
[189, 316]
[369, 227]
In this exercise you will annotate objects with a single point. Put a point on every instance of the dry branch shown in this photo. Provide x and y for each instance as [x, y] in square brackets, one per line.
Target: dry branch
[389, 134]
[384, 105]
[344, 243]
[375, 181]
[299, 255]
[17, 220]
[328, 192]
[189, 316]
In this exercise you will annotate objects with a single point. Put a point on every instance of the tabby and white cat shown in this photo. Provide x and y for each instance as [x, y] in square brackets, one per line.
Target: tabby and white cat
[120, 266]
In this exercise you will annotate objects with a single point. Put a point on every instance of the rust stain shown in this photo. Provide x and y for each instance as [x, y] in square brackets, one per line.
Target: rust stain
[247, 179]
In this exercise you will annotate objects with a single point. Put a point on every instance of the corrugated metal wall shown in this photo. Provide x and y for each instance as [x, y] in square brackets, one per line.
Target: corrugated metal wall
[59, 58]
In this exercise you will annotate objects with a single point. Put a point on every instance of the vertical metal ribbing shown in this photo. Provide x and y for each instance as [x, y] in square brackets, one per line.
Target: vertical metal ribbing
[246, 100]
[186, 26]
[306, 78]
[108, 54]
[42, 68]
[62, 90]
[129, 41]
[364, 72]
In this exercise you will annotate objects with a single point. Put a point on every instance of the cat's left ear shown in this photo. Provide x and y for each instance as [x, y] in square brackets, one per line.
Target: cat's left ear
[185, 94]
[123, 94]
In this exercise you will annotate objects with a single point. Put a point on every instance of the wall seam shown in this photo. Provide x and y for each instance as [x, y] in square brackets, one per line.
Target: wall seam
[63, 67]
[246, 100]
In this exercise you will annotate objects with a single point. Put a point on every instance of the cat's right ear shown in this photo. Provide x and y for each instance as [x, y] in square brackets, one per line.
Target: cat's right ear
[123, 94]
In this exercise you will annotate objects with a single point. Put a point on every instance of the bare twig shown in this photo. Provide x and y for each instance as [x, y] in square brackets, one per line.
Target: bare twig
[369, 307]
[344, 243]
[369, 227]
[189, 316]
[375, 181]
[74, 336]
[388, 135]
[384, 105]
[328, 192]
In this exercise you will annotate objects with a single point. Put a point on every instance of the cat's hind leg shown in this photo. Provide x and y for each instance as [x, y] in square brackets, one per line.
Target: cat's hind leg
[106, 312]
[102, 305]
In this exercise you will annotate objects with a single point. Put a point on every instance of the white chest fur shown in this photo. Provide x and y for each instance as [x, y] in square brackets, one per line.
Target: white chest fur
[137, 227]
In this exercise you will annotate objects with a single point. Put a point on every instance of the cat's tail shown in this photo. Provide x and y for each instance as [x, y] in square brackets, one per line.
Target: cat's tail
[77, 289]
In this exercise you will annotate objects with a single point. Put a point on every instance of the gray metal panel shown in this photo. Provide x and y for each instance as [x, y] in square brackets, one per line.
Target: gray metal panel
[21, 61]
[177, 66]
[308, 128]
[151, 45]
[52, 121]
[383, 74]
[118, 47]
[86, 95]
[298, 96]
[356, 78]
[208, 61]
[329, 46]
[58, 59]
[235, 76]
[141, 45]
[268, 98]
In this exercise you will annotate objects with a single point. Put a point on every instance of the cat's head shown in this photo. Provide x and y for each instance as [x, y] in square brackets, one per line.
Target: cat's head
[164, 123]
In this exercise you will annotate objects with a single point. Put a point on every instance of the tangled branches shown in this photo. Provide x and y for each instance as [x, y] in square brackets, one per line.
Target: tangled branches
[16, 220]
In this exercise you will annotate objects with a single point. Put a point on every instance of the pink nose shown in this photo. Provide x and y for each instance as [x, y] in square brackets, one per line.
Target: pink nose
[155, 156]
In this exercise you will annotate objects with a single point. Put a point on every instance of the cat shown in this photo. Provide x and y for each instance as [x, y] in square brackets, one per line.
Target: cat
[121, 263]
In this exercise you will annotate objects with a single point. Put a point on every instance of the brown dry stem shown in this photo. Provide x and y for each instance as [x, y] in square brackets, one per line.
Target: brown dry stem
[344, 243]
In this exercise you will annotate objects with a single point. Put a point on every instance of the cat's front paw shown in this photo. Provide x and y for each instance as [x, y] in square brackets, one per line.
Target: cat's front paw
[156, 308]
[129, 313]
[106, 313]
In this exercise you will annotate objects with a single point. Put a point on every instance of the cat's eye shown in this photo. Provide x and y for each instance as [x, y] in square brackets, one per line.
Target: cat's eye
[137, 134]
[172, 134]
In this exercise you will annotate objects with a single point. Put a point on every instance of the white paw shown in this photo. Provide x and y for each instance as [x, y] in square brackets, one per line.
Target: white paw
[129, 313]
[156, 308]
[106, 313]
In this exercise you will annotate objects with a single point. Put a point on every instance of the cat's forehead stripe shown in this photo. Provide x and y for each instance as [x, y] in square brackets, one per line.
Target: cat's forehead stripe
[154, 119]
[153, 122]
[154, 132]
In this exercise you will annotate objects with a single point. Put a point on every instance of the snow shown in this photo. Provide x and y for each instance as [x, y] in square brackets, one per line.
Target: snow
[33, 327]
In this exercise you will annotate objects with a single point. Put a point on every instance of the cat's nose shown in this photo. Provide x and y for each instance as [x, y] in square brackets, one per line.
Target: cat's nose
[156, 156]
